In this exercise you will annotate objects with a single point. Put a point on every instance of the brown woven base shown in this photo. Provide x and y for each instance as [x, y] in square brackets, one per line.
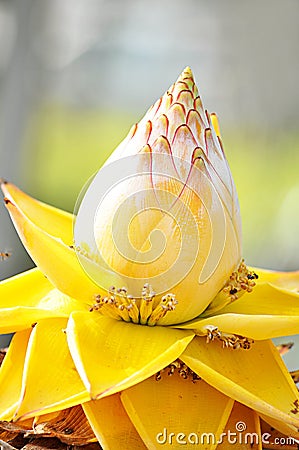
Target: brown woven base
[41, 443]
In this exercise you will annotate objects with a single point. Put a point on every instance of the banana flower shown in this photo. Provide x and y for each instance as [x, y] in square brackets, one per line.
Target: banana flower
[141, 308]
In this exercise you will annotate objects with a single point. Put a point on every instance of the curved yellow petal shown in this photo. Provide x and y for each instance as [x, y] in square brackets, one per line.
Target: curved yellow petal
[19, 296]
[265, 299]
[242, 431]
[53, 304]
[11, 373]
[244, 376]
[52, 220]
[253, 326]
[111, 424]
[287, 280]
[57, 260]
[112, 355]
[50, 380]
[24, 289]
[265, 313]
[17, 319]
[61, 305]
[175, 412]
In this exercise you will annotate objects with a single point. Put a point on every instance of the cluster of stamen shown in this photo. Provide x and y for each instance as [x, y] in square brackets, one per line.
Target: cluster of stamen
[295, 376]
[233, 341]
[146, 310]
[181, 369]
[240, 281]
[295, 410]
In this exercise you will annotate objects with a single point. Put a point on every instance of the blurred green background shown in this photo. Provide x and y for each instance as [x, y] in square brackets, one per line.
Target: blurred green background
[75, 75]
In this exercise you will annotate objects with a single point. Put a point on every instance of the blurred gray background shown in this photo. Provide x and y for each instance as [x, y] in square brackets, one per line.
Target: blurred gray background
[75, 74]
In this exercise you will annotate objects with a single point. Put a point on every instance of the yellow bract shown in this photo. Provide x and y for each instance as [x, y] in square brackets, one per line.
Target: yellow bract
[11, 375]
[57, 222]
[200, 409]
[246, 377]
[31, 297]
[116, 431]
[112, 355]
[52, 255]
[265, 313]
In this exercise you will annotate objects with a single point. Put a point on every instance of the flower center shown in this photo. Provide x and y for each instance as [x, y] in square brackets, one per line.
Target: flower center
[146, 310]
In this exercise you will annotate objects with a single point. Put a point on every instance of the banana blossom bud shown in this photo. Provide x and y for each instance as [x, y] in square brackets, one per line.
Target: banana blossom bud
[162, 215]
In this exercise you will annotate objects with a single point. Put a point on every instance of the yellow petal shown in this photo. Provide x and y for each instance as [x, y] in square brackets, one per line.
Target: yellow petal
[58, 261]
[19, 296]
[24, 289]
[52, 220]
[111, 424]
[265, 313]
[112, 355]
[11, 373]
[265, 299]
[244, 375]
[174, 412]
[50, 380]
[60, 305]
[287, 280]
[242, 431]
[16, 319]
[253, 326]
[53, 304]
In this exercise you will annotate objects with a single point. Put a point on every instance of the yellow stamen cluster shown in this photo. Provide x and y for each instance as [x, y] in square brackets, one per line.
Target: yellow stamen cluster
[146, 310]
[181, 369]
[240, 281]
[233, 341]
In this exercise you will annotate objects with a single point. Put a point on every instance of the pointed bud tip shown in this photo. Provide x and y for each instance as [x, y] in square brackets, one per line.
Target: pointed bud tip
[187, 73]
